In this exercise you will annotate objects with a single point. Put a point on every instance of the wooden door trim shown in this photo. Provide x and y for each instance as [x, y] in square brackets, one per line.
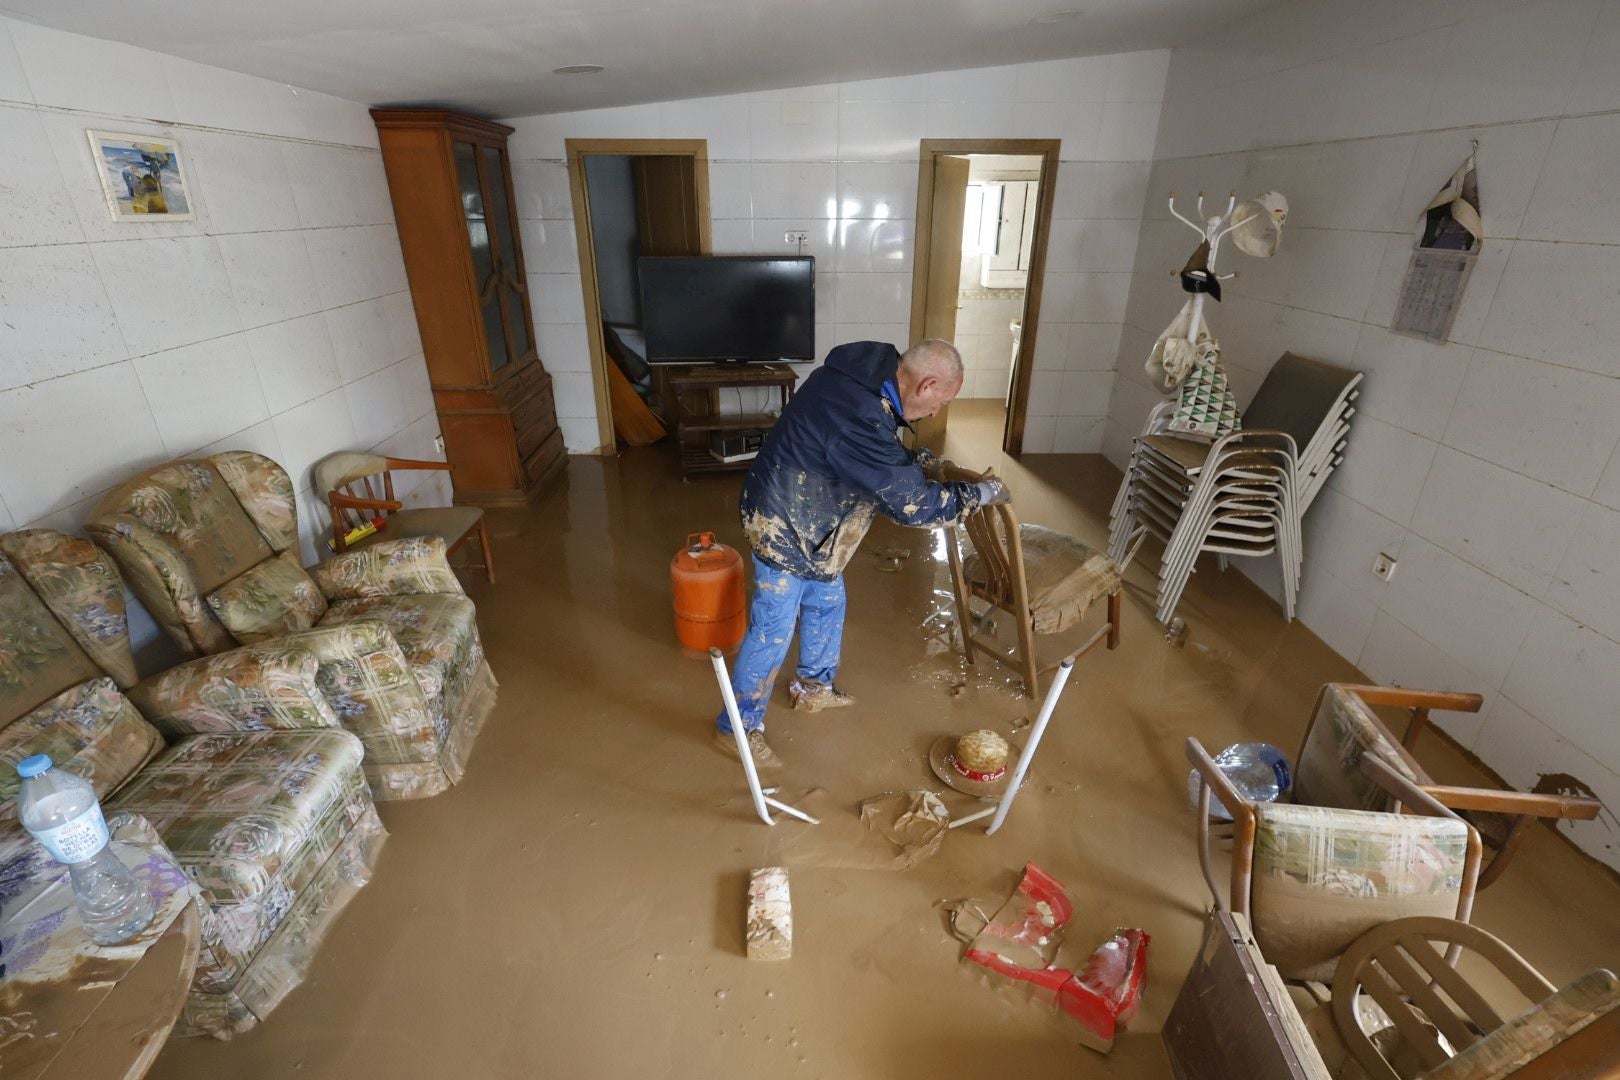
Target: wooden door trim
[578, 151]
[1012, 440]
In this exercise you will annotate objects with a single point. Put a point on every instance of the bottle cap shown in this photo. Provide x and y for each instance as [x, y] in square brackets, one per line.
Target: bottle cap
[33, 766]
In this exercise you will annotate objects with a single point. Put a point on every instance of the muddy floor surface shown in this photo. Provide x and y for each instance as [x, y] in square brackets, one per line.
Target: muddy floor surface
[574, 908]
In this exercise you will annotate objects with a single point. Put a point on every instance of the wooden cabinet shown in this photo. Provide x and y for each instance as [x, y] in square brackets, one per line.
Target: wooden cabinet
[451, 185]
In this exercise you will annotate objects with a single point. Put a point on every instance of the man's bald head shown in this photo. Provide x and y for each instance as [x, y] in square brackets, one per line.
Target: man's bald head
[930, 376]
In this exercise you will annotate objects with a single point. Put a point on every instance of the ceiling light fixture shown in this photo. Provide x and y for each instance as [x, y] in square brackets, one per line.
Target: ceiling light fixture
[577, 69]
[1056, 17]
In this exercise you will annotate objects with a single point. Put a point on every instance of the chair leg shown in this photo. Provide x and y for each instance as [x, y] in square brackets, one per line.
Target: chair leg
[489, 554]
[1026, 651]
[1113, 619]
[964, 613]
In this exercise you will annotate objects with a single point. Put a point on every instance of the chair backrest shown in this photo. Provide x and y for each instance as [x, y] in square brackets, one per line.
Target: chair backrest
[182, 530]
[998, 543]
[1405, 968]
[1328, 767]
[1298, 396]
[358, 474]
[64, 655]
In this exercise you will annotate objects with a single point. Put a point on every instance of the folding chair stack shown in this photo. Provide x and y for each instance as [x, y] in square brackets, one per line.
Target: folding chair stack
[1246, 493]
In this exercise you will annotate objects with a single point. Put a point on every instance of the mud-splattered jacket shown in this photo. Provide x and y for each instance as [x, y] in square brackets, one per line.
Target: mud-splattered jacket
[833, 460]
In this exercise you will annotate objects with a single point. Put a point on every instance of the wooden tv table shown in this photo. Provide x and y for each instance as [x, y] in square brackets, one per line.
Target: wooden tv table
[696, 419]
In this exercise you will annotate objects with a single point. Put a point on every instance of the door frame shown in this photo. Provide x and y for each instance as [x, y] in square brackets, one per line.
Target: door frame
[1012, 438]
[578, 151]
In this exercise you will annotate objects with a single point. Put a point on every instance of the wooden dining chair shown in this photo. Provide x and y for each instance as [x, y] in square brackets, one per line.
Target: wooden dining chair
[1343, 727]
[1044, 579]
[1406, 968]
[359, 488]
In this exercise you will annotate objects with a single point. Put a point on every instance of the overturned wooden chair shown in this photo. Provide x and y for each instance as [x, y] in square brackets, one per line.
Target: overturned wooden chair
[1343, 728]
[1044, 579]
[1440, 1014]
[359, 487]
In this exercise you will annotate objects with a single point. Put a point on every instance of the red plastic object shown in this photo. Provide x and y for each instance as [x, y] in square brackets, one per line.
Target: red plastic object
[707, 580]
[1021, 943]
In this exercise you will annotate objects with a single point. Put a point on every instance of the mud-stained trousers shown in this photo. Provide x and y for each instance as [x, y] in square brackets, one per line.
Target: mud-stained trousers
[781, 600]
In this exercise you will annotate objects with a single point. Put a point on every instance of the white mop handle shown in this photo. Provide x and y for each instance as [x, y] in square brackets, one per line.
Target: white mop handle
[717, 658]
[1055, 691]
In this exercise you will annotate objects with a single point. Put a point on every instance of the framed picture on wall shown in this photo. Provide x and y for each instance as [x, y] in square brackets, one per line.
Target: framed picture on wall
[142, 176]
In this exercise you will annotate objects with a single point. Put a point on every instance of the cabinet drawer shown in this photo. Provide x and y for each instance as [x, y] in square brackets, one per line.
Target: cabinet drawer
[534, 420]
[538, 464]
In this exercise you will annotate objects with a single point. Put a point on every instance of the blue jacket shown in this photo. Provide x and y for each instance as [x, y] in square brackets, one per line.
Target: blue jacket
[832, 461]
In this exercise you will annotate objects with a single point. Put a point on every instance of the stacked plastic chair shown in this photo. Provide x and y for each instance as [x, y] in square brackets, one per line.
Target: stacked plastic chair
[1246, 493]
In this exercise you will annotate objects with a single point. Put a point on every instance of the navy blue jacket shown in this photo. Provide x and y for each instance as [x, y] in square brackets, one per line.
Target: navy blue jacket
[832, 461]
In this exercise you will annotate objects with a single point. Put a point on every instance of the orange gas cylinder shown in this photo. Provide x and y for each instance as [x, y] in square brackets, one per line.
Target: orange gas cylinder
[707, 579]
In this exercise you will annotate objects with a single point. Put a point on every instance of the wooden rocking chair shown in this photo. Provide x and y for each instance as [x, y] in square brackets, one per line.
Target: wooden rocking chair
[359, 487]
[1044, 579]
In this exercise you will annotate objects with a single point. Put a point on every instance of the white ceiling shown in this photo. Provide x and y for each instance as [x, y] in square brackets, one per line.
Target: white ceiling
[495, 57]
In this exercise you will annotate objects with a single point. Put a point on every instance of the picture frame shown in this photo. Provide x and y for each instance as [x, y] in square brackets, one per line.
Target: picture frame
[143, 176]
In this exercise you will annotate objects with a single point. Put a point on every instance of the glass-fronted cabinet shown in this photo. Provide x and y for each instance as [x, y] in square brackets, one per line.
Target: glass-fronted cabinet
[451, 180]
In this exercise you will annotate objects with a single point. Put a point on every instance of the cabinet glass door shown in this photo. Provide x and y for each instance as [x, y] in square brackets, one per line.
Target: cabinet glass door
[513, 289]
[485, 255]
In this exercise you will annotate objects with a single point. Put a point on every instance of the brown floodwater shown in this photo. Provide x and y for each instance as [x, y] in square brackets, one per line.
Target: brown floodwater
[574, 908]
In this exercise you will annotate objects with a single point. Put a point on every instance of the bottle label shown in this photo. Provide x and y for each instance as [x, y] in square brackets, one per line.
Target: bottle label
[77, 840]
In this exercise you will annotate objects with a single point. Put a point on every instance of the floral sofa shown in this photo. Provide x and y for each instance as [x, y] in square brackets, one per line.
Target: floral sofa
[211, 548]
[257, 789]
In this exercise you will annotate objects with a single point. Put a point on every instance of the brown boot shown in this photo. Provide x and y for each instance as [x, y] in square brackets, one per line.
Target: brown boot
[814, 696]
[764, 756]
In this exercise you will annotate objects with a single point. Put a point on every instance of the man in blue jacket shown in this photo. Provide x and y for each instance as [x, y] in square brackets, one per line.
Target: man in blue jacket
[833, 460]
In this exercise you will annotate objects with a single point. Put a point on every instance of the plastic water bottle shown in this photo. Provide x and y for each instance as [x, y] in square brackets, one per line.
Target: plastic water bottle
[62, 812]
[1258, 770]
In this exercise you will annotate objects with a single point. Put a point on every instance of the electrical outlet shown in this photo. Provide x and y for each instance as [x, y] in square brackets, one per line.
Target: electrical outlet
[438, 443]
[795, 237]
[1384, 566]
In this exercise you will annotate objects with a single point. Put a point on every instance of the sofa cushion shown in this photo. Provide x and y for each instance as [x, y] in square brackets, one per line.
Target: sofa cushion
[413, 567]
[272, 599]
[38, 657]
[91, 730]
[78, 583]
[251, 818]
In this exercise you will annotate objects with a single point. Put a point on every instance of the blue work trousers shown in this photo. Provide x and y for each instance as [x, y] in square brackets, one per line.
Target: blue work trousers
[780, 600]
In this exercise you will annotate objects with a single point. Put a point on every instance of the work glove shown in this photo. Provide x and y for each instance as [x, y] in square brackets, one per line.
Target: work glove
[992, 492]
[924, 456]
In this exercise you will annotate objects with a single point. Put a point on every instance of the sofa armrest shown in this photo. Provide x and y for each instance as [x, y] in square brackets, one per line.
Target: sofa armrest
[266, 687]
[406, 567]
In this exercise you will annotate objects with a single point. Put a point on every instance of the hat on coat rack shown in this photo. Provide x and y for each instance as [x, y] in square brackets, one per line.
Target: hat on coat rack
[1195, 276]
[1259, 223]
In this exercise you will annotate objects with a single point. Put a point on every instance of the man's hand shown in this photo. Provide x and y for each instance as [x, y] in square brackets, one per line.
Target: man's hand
[992, 492]
[924, 457]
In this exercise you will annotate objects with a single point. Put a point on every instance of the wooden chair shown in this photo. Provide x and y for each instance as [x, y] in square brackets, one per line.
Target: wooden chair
[1343, 727]
[1403, 967]
[360, 487]
[1312, 879]
[1044, 579]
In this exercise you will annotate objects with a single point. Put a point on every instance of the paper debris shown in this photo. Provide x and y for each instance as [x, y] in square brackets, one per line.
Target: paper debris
[770, 915]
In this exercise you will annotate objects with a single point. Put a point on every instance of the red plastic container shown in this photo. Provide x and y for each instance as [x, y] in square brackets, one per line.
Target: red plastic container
[706, 578]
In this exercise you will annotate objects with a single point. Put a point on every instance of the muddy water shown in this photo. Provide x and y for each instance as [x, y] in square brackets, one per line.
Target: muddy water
[575, 907]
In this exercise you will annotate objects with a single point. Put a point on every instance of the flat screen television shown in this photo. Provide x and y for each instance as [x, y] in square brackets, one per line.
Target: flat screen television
[699, 308]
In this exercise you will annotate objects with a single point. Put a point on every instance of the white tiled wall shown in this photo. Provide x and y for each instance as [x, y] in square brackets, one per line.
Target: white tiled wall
[840, 160]
[1488, 465]
[277, 321]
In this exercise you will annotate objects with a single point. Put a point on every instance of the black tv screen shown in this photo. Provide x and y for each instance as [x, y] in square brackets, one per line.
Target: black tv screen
[728, 307]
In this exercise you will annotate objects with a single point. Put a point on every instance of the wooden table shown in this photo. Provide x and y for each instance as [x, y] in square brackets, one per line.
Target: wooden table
[122, 1032]
[709, 380]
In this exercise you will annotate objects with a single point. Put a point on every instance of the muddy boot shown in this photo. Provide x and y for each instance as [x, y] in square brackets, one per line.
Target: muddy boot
[812, 696]
[764, 756]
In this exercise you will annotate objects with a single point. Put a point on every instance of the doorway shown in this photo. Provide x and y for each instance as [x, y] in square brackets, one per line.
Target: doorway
[632, 197]
[984, 212]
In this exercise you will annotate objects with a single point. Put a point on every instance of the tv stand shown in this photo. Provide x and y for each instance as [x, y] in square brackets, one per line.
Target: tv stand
[696, 418]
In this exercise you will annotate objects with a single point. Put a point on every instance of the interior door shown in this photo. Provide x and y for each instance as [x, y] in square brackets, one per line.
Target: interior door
[944, 267]
[666, 202]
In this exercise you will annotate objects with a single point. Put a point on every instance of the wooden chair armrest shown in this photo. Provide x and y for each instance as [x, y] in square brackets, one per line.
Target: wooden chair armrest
[1243, 825]
[349, 502]
[1532, 803]
[1444, 700]
[413, 463]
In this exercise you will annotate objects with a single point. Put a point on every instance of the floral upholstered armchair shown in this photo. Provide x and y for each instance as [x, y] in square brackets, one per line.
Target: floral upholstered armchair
[1312, 879]
[211, 548]
[258, 793]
